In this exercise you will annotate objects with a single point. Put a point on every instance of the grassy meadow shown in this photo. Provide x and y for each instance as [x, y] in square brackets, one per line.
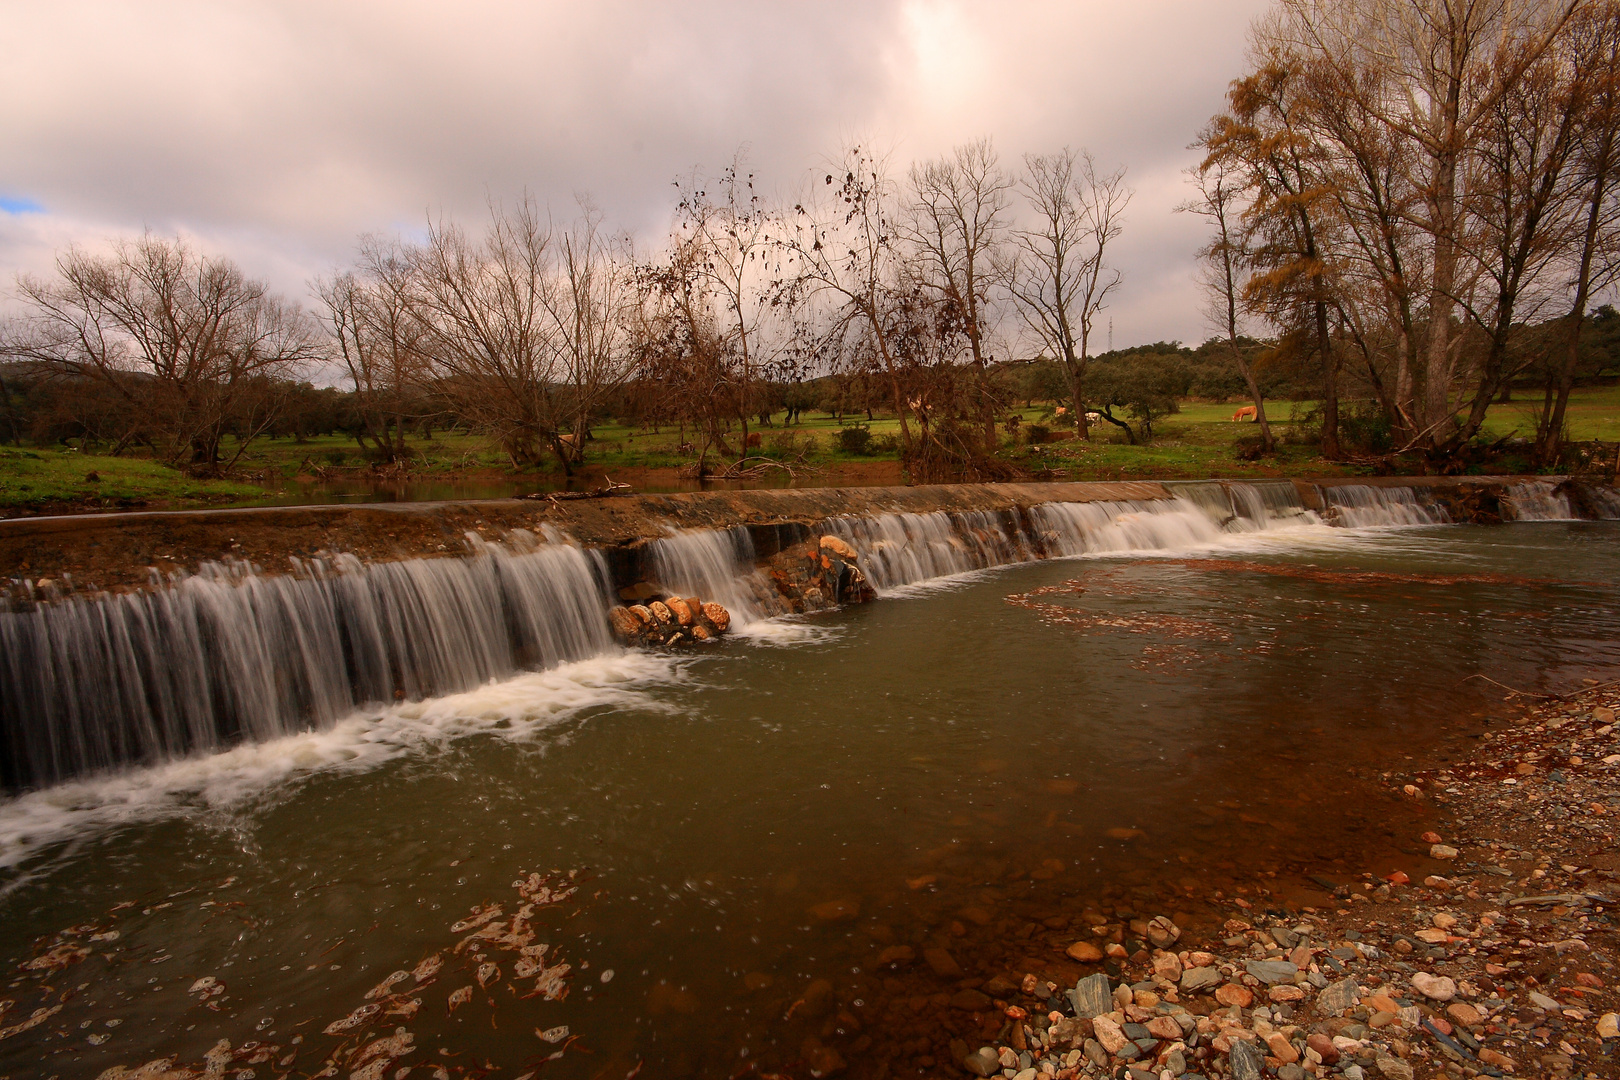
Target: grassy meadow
[1200, 440]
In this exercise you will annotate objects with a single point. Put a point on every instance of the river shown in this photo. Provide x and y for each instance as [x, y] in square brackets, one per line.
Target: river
[973, 763]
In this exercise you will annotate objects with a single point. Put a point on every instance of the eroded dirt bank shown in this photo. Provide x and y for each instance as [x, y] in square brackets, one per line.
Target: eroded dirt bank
[115, 550]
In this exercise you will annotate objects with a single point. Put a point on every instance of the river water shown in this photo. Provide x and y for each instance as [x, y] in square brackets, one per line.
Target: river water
[701, 837]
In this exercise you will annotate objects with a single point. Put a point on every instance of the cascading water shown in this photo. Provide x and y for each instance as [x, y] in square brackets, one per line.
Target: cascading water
[904, 549]
[1605, 501]
[715, 565]
[1537, 501]
[1246, 507]
[231, 655]
[1361, 506]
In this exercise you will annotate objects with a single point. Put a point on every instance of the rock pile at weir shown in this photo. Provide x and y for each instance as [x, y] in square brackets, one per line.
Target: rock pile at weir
[671, 621]
[820, 573]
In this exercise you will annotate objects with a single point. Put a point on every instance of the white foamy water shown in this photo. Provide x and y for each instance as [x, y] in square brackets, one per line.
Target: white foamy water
[715, 565]
[1537, 500]
[206, 785]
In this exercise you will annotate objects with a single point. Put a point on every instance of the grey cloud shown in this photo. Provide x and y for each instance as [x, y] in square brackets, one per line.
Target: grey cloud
[280, 132]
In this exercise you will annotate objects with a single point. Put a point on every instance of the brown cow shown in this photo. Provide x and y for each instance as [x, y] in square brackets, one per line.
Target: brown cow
[753, 440]
[1245, 413]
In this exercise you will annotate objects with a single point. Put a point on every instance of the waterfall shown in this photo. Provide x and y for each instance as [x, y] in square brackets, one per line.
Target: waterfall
[1605, 501]
[231, 655]
[1537, 501]
[1360, 506]
[904, 549]
[716, 565]
[1246, 507]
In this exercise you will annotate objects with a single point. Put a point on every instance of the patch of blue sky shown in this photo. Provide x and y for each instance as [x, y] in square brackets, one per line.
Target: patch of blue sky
[17, 204]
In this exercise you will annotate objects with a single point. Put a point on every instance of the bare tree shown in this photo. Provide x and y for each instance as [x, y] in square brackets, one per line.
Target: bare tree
[593, 292]
[1218, 202]
[957, 225]
[488, 332]
[1594, 51]
[843, 250]
[379, 338]
[526, 328]
[195, 348]
[1060, 278]
[1430, 72]
[736, 261]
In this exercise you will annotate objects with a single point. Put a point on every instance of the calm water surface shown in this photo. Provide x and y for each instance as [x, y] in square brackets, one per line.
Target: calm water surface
[938, 768]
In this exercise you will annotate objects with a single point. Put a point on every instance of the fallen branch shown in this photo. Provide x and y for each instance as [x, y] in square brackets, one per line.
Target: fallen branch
[1572, 695]
[607, 491]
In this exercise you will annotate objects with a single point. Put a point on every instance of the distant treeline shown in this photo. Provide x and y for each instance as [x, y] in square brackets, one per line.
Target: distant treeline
[1412, 211]
[1141, 384]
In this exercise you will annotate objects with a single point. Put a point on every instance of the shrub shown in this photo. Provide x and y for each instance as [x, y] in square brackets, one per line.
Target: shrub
[1037, 433]
[790, 444]
[855, 440]
[884, 444]
[1364, 427]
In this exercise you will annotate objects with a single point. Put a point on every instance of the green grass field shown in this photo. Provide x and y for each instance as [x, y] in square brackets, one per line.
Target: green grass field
[49, 478]
[1198, 441]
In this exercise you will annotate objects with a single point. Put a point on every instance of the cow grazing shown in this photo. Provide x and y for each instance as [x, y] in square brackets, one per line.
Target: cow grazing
[1245, 413]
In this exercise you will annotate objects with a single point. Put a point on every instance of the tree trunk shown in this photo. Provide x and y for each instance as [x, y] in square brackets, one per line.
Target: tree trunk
[1330, 386]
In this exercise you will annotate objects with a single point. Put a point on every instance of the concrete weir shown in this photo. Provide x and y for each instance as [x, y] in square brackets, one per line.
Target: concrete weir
[118, 549]
[138, 638]
[122, 549]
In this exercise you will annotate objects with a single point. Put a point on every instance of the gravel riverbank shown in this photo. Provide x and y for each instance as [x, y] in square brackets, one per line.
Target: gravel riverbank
[1493, 951]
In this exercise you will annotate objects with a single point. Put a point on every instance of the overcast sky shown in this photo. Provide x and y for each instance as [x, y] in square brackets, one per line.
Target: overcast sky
[277, 133]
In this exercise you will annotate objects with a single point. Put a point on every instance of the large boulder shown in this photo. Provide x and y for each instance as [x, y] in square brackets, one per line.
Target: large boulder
[841, 577]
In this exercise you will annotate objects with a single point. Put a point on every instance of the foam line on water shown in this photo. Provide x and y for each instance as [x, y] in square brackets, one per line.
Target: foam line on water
[523, 707]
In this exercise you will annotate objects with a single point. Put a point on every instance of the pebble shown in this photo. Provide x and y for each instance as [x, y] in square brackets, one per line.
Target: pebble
[1608, 1026]
[1199, 978]
[1464, 1014]
[982, 1062]
[1272, 971]
[1442, 851]
[943, 963]
[1091, 996]
[1338, 997]
[1434, 987]
[1323, 1046]
[1085, 952]
[1234, 994]
[1246, 1061]
[1109, 1034]
[1163, 933]
[1542, 1001]
[1394, 1068]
